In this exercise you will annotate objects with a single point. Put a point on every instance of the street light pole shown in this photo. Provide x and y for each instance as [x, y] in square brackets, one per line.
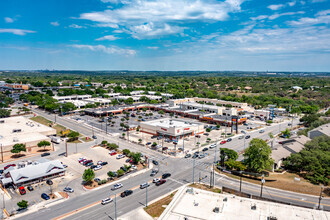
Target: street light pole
[194, 170]
[115, 207]
[320, 198]
[262, 184]
[147, 196]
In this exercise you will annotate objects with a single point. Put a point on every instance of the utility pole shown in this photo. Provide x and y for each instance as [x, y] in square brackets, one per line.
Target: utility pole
[211, 181]
[194, 170]
[1, 154]
[147, 195]
[240, 181]
[76, 148]
[262, 184]
[320, 198]
[115, 207]
[106, 128]
[66, 149]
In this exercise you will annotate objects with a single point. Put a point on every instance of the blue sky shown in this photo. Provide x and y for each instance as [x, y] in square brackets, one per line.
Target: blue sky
[256, 35]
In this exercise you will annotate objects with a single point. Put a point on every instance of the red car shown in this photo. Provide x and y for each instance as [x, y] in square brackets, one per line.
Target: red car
[87, 161]
[160, 182]
[223, 142]
[9, 165]
[22, 191]
[113, 153]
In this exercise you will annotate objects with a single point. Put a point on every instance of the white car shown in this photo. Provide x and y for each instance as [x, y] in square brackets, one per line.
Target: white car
[155, 180]
[241, 137]
[120, 156]
[106, 201]
[98, 167]
[117, 186]
[212, 146]
[100, 162]
[68, 189]
[133, 167]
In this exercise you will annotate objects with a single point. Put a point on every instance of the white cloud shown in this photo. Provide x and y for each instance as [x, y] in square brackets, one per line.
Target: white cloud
[275, 7]
[104, 49]
[118, 31]
[260, 17]
[76, 26]
[322, 17]
[150, 30]
[9, 20]
[16, 31]
[274, 16]
[137, 15]
[108, 37]
[111, 25]
[153, 48]
[292, 3]
[55, 23]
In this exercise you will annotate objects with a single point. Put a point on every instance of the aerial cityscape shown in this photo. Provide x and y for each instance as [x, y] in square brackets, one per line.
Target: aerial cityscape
[165, 109]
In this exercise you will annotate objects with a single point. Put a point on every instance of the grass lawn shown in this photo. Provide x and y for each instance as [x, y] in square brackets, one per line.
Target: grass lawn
[76, 141]
[156, 209]
[285, 181]
[205, 187]
[86, 140]
[41, 120]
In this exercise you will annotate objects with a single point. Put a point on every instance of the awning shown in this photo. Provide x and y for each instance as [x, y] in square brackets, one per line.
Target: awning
[5, 181]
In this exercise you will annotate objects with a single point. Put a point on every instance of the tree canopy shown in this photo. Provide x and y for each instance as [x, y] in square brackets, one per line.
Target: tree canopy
[88, 175]
[257, 156]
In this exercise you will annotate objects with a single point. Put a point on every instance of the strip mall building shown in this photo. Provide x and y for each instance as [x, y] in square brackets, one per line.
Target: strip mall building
[172, 128]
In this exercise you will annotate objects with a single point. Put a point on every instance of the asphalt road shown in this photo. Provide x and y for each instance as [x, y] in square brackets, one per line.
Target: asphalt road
[179, 177]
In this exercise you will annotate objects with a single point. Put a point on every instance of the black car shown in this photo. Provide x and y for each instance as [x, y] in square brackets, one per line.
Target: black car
[126, 193]
[229, 139]
[49, 182]
[94, 137]
[45, 154]
[165, 175]
[205, 149]
[128, 160]
[93, 166]
[194, 156]
[155, 162]
[124, 169]
[30, 188]
[1, 171]
[187, 156]
[104, 163]
[247, 136]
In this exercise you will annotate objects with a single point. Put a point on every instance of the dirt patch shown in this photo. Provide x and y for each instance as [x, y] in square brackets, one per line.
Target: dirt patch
[286, 181]
[205, 187]
[157, 208]
[64, 194]
[92, 185]
[52, 196]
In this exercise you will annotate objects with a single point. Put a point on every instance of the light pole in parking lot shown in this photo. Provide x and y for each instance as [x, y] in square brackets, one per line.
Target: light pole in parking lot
[320, 198]
[115, 207]
[147, 196]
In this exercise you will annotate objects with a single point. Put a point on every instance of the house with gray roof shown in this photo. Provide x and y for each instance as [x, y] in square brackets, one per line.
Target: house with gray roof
[319, 131]
[34, 173]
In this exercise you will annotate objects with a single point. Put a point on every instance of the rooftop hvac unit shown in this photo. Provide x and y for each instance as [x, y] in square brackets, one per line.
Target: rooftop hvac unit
[2, 121]
[15, 139]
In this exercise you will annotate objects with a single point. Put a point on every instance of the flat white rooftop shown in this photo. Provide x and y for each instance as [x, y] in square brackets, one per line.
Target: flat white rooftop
[200, 205]
[169, 123]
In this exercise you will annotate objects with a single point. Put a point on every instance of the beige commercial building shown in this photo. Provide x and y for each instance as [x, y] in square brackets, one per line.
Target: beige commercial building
[14, 130]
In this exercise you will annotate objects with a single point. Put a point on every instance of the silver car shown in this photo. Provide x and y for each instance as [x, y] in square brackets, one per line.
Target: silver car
[106, 201]
[117, 186]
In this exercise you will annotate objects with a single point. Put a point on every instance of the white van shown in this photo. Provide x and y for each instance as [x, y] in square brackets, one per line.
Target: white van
[56, 140]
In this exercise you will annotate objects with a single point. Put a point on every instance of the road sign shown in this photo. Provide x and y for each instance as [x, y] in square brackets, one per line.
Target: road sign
[67, 131]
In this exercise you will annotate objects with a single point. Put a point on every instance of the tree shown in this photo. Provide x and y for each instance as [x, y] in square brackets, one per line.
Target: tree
[208, 129]
[123, 134]
[4, 113]
[161, 112]
[140, 140]
[309, 119]
[286, 133]
[136, 157]
[73, 134]
[257, 156]
[17, 148]
[104, 142]
[271, 136]
[112, 146]
[227, 154]
[126, 152]
[44, 144]
[235, 165]
[171, 114]
[23, 204]
[88, 175]
[120, 172]
[111, 174]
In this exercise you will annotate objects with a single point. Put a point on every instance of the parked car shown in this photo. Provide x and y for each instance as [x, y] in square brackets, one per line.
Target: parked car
[97, 179]
[126, 193]
[194, 156]
[1, 171]
[247, 136]
[223, 142]
[165, 175]
[93, 166]
[201, 156]
[124, 169]
[154, 172]
[113, 153]
[205, 149]
[212, 146]
[106, 201]
[98, 167]
[243, 132]
[49, 182]
[104, 163]
[133, 167]
[187, 156]
[86, 162]
[229, 139]
[160, 182]
[68, 189]
[207, 134]
[155, 180]
[99, 162]
[94, 137]
[65, 166]
[45, 196]
[261, 131]
[22, 190]
[241, 137]
[89, 164]
[45, 154]
[9, 165]
[155, 162]
[119, 156]
[127, 160]
[117, 186]
[144, 185]
[30, 188]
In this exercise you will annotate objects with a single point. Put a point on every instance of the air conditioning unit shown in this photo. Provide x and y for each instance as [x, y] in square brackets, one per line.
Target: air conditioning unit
[15, 139]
